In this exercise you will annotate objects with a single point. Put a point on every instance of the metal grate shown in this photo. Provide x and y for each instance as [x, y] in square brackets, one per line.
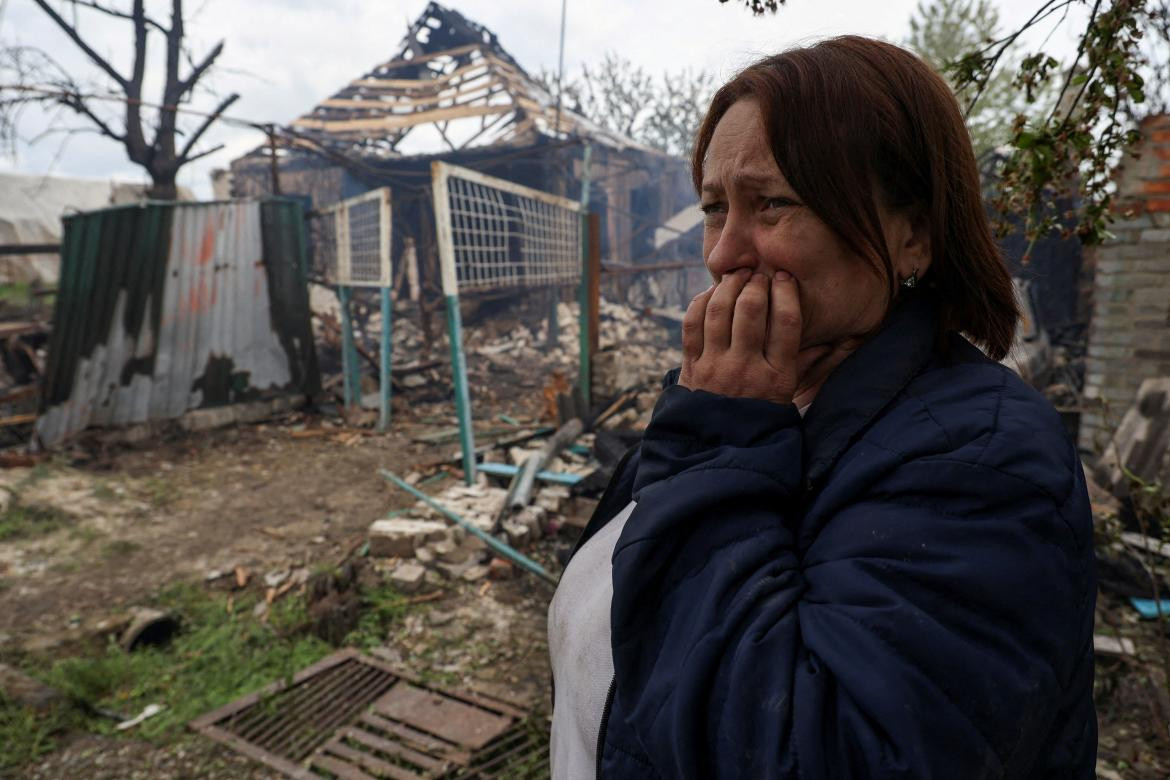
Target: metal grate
[353, 717]
[495, 233]
[351, 240]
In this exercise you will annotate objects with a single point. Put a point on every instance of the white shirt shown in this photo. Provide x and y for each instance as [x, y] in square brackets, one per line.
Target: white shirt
[582, 658]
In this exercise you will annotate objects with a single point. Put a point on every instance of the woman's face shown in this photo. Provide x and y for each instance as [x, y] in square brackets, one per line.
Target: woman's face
[755, 220]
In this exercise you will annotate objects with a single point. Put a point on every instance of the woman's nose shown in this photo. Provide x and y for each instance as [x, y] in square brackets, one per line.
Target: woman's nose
[732, 250]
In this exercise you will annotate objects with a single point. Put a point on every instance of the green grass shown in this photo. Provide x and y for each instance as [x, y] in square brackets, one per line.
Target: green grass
[24, 522]
[221, 653]
[382, 607]
[15, 295]
[25, 734]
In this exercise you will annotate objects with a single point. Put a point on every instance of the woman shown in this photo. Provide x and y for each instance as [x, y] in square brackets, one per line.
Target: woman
[850, 544]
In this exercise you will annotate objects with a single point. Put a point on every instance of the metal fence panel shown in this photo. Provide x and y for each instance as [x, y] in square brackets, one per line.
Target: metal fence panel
[351, 241]
[165, 308]
[502, 234]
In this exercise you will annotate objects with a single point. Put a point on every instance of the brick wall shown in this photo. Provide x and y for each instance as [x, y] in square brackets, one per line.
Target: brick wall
[1129, 334]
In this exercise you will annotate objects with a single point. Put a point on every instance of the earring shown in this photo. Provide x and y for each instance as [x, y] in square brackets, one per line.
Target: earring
[911, 281]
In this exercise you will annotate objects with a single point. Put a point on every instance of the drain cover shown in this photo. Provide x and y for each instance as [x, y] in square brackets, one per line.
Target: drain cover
[353, 717]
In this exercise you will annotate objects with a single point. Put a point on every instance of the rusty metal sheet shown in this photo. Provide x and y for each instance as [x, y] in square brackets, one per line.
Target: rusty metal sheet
[166, 308]
[441, 715]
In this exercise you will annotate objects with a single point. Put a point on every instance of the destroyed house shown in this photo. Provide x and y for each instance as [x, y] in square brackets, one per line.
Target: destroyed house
[453, 93]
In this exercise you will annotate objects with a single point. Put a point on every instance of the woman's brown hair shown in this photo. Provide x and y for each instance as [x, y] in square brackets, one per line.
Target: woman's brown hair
[851, 120]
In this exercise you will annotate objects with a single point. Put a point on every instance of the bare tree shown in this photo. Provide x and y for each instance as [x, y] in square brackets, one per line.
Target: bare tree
[663, 113]
[150, 132]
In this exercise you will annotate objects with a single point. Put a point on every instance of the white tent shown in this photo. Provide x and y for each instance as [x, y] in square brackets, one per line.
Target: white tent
[31, 208]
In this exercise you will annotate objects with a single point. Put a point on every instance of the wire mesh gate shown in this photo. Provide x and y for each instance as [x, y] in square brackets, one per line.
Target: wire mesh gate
[352, 241]
[492, 234]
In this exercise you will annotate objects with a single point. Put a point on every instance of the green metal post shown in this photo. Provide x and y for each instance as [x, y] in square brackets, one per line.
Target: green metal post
[584, 370]
[351, 371]
[385, 357]
[462, 396]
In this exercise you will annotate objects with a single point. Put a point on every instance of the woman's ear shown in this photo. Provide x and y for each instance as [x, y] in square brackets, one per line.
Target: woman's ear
[908, 237]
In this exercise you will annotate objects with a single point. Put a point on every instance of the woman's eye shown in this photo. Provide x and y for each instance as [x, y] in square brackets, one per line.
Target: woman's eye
[778, 203]
[712, 208]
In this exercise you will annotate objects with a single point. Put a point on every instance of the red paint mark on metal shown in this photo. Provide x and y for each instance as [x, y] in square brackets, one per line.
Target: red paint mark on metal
[207, 248]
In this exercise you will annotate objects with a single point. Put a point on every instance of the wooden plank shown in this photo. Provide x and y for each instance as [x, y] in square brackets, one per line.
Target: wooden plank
[18, 419]
[594, 292]
[452, 52]
[437, 83]
[473, 96]
[476, 95]
[372, 763]
[401, 120]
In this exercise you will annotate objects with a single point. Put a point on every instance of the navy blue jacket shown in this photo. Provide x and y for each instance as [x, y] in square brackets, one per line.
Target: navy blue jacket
[899, 585]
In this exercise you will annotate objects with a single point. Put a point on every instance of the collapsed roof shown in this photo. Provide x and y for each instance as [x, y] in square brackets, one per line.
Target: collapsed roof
[451, 86]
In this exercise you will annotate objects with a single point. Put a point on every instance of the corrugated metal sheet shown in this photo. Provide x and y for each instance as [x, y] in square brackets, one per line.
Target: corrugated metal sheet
[165, 308]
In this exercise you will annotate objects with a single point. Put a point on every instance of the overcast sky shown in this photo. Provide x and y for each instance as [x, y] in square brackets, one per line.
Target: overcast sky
[283, 56]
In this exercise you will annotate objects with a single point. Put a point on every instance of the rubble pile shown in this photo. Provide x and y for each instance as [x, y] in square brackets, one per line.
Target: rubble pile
[428, 549]
[504, 352]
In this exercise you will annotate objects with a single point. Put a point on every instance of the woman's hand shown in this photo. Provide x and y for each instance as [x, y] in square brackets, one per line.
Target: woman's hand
[742, 338]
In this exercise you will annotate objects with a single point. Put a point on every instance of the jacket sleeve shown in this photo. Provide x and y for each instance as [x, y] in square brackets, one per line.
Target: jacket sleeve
[922, 630]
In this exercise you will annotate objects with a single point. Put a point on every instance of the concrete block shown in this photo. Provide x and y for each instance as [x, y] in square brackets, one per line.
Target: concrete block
[449, 552]
[400, 536]
[517, 533]
[535, 518]
[475, 573]
[408, 577]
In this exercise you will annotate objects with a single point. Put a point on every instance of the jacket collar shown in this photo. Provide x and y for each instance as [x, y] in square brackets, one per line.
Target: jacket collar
[866, 381]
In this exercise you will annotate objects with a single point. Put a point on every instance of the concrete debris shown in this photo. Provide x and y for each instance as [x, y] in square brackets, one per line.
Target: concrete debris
[408, 576]
[1108, 645]
[475, 573]
[449, 552]
[518, 535]
[1141, 445]
[149, 627]
[399, 536]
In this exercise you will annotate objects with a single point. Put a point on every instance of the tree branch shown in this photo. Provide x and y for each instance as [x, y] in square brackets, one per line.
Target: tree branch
[183, 155]
[114, 12]
[204, 153]
[1072, 70]
[75, 36]
[136, 147]
[186, 84]
[76, 102]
